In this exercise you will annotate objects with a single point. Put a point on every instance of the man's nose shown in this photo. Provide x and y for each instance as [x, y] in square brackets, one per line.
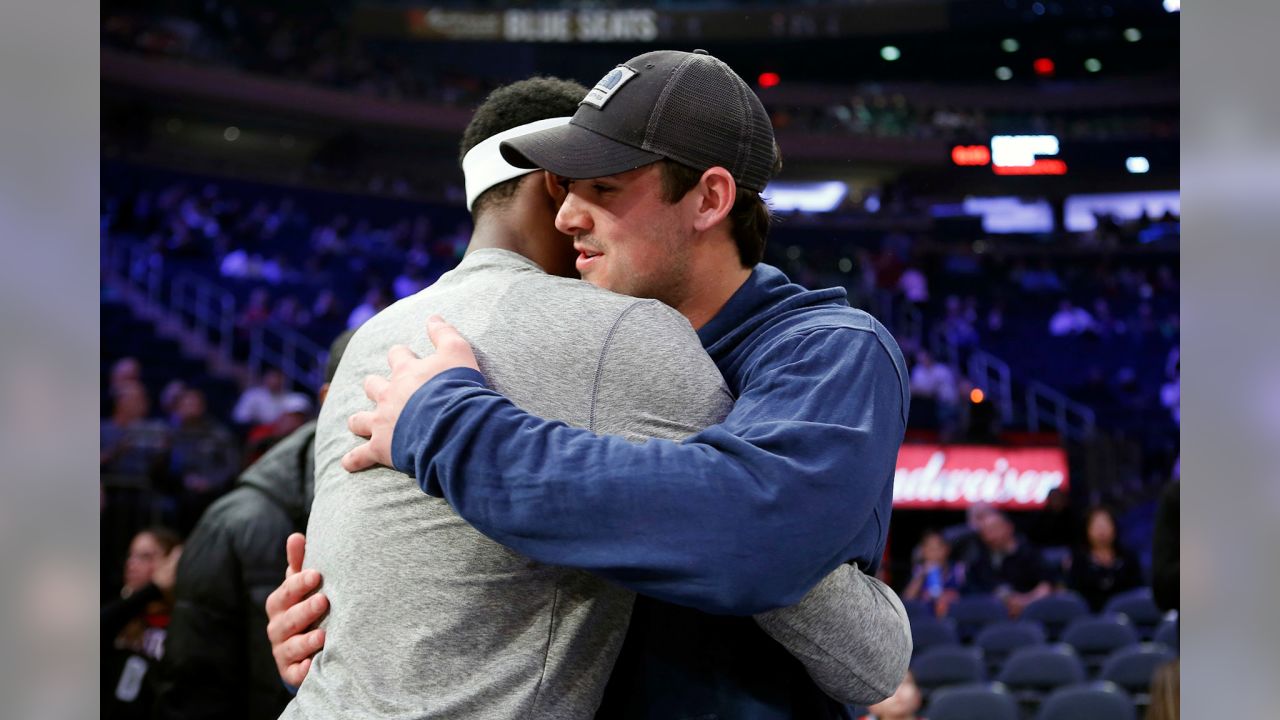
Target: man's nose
[573, 218]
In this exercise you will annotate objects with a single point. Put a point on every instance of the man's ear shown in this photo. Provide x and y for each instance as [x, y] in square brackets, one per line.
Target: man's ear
[716, 193]
[555, 187]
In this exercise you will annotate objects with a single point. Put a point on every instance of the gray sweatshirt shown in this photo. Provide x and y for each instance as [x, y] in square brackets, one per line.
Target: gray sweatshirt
[431, 619]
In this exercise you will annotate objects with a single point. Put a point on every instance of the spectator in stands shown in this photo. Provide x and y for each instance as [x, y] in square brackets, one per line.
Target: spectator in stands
[1007, 565]
[125, 371]
[203, 458]
[1055, 525]
[1070, 320]
[902, 705]
[935, 577]
[958, 325]
[218, 662]
[257, 313]
[295, 411]
[935, 383]
[375, 299]
[914, 286]
[132, 444]
[133, 627]
[290, 313]
[261, 403]
[327, 308]
[1102, 567]
[963, 538]
[170, 396]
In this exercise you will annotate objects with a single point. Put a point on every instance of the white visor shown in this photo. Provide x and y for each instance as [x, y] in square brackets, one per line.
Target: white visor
[483, 166]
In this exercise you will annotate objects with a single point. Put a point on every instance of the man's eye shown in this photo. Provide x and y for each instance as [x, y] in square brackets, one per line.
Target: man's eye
[601, 187]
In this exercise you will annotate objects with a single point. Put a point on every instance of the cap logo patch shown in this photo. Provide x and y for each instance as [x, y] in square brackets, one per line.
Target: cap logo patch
[608, 85]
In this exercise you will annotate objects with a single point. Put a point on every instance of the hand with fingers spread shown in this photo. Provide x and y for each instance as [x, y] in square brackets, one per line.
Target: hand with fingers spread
[408, 373]
[292, 609]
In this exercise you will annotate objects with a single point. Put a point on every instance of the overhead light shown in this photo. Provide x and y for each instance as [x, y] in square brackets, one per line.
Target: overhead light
[1137, 165]
[1004, 73]
[845, 265]
[1009, 45]
[890, 53]
[1172, 5]
[1093, 64]
[231, 134]
[1132, 34]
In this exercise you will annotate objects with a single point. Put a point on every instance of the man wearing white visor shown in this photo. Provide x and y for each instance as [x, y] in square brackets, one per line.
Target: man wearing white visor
[431, 619]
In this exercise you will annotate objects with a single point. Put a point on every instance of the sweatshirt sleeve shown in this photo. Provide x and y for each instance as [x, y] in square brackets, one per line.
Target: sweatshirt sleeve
[851, 633]
[743, 517]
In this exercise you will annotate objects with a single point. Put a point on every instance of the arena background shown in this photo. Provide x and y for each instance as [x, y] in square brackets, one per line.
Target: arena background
[1233, 200]
[997, 182]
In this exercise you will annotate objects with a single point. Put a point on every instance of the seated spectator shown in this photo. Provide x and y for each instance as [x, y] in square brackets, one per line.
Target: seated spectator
[203, 458]
[295, 411]
[261, 403]
[902, 705]
[934, 578]
[1006, 566]
[125, 371]
[133, 627]
[936, 382]
[1102, 567]
[131, 444]
[963, 539]
[257, 313]
[1070, 320]
[1056, 524]
[232, 562]
[958, 324]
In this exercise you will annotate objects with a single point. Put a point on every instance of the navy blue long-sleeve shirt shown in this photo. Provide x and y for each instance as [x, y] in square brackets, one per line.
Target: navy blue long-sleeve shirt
[743, 517]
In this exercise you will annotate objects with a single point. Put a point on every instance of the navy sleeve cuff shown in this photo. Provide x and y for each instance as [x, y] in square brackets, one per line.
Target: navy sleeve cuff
[415, 418]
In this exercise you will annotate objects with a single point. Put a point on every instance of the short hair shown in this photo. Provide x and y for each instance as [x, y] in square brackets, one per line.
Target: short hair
[166, 538]
[519, 103]
[336, 350]
[750, 218]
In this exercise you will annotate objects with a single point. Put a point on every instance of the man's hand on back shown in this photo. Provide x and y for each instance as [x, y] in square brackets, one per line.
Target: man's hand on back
[291, 609]
[408, 373]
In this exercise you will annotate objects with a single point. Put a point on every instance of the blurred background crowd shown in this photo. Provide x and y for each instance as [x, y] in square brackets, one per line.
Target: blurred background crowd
[275, 173]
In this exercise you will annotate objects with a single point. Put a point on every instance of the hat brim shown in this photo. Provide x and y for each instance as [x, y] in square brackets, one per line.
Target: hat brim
[575, 152]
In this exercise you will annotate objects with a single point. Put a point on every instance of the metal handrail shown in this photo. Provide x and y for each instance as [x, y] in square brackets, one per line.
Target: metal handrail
[993, 375]
[210, 310]
[1068, 417]
[294, 354]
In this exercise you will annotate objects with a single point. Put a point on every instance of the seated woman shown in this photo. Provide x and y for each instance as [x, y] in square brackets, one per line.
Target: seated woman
[1101, 567]
[935, 577]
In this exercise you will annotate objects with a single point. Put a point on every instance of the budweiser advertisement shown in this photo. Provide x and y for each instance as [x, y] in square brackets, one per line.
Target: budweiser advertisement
[936, 477]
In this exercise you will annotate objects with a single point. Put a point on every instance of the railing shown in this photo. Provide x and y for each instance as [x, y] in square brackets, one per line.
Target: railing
[205, 309]
[1069, 418]
[300, 359]
[992, 375]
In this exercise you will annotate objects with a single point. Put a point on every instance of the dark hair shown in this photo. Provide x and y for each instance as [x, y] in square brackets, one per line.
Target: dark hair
[1088, 519]
[166, 538]
[511, 106]
[749, 219]
[336, 350]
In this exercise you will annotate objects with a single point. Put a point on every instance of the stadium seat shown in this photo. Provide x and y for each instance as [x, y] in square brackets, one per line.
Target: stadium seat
[1167, 634]
[1000, 639]
[972, 702]
[1056, 611]
[1140, 608]
[947, 665]
[1132, 668]
[1095, 701]
[1032, 672]
[919, 608]
[1097, 636]
[928, 632]
[971, 613]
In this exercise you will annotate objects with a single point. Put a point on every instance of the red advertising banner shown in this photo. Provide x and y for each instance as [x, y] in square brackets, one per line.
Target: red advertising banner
[953, 477]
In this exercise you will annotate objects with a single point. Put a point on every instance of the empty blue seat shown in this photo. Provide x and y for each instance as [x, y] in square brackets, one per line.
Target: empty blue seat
[971, 613]
[972, 702]
[1056, 611]
[947, 665]
[1096, 637]
[919, 608]
[1141, 609]
[1095, 701]
[927, 632]
[1000, 639]
[1133, 667]
[1167, 634]
[1032, 672]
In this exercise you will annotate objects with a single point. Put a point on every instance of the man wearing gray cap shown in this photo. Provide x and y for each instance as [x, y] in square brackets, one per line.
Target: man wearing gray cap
[663, 163]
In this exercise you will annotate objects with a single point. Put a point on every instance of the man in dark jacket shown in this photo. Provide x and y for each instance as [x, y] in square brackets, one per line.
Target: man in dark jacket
[217, 661]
